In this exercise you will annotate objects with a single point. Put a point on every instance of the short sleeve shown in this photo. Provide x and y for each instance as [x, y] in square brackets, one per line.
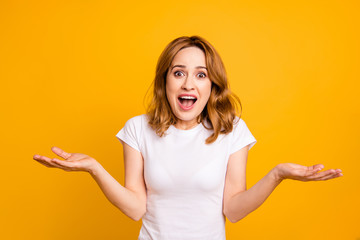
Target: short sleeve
[131, 133]
[241, 136]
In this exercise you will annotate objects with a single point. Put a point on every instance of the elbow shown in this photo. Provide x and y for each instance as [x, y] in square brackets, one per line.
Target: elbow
[137, 214]
[138, 217]
[133, 213]
[135, 218]
[234, 217]
[231, 218]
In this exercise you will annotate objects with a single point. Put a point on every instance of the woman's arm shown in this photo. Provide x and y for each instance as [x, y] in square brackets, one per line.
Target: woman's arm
[131, 199]
[239, 202]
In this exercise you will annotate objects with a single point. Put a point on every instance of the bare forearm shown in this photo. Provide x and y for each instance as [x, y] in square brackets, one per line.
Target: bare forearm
[243, 203]
[124, 199]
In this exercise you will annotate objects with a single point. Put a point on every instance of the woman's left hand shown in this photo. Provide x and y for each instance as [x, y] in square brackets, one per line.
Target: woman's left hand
[304, 173]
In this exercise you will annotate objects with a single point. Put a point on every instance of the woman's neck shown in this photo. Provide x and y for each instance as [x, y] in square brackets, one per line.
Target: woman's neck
[186, 125]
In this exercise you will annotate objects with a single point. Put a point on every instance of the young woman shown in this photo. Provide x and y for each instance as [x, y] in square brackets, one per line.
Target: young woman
[185, 159]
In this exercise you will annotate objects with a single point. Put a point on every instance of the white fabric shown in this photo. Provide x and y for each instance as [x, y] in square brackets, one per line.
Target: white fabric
[184, 178]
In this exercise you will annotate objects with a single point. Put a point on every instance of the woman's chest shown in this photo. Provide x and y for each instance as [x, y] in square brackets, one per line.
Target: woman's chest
[186, 164]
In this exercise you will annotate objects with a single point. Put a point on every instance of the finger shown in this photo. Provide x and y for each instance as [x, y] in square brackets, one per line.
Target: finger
[316, 175]
[44, 163]
[61, 153]
[39, 157]
[325, 174]
[328, 177]
[43, 160]
[48, 162]
[312, 170]
[316, 168]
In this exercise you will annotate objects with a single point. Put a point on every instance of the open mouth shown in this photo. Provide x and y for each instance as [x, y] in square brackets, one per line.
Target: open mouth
[187, 101]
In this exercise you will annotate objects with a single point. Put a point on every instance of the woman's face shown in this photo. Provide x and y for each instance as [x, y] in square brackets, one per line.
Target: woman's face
[188, 86]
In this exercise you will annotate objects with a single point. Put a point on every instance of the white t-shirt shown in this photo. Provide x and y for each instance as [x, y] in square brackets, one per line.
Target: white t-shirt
[184, 178]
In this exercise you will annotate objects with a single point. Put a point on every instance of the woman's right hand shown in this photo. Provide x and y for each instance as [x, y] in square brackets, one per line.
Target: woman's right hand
[72, 162]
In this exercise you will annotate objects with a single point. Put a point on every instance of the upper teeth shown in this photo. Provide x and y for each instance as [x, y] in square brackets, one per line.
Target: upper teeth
[187, 97]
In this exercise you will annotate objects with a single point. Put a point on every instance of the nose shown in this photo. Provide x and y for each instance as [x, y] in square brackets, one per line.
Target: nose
[188, 83]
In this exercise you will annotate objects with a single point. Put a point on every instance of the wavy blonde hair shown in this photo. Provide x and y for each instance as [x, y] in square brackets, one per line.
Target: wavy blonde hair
[220, 110]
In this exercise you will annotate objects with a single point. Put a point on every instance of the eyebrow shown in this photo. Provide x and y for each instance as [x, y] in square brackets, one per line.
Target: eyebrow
[183, 66]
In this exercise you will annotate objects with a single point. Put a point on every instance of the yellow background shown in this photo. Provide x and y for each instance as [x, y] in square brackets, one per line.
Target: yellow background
[73, 72]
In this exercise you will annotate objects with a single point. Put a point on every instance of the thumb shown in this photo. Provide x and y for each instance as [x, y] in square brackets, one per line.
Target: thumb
[318, 167]
[61, 153]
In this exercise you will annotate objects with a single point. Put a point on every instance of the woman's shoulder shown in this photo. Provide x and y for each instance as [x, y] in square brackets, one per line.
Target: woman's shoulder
[139, 119]
[239, 124]
[135, 124]
[238, 121]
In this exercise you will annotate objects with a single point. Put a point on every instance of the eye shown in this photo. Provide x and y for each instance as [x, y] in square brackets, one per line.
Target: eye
[178, 74]
[201, 75]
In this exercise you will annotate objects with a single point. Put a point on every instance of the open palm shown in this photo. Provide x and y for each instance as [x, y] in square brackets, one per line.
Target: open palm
[304, 173]
[71, 162]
